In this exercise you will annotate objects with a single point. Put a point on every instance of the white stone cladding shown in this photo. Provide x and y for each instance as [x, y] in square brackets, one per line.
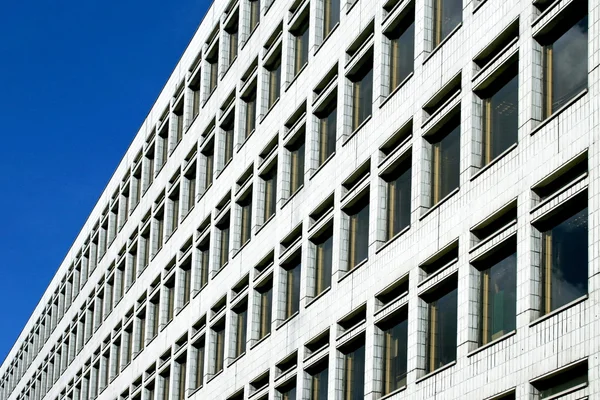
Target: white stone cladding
[538, 346]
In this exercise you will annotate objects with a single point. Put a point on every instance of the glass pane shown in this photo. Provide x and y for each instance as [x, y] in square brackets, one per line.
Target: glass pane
[446, 165]
[290, 394]
[448, 14]
[363, 96]
[442, 331]
[399, 203]
[354, 374]
[318, 383]
[297, 159]
[270, 194]
[565, 381]
[293, 291]
[265, 313]
[502, 116]
[301, 48]
[395, 357]
[566, 261]
[274, 83]
[324, 261]
[568, 56]
[327, 134]
[359, 237]
[224, 246]
[228, 145]
[499, 299]
[241, 332]
[402, 53]
[331, 15]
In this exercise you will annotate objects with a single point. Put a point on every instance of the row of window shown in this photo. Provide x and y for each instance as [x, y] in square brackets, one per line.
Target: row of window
[498, 111]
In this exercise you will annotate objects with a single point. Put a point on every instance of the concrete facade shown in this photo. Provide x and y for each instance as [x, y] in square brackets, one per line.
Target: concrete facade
[71, 350]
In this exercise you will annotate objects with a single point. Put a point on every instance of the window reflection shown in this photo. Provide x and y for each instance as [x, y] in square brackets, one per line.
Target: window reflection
[565, 261]
[395, 356]
[441, 344]
[324, 261]
[354, 374]
[398, 196]
[327, 133]
[318, 383]
[292, 295]
[402, 49]
[501, 120]
[358, 236]
[362, 94]
[446, 164]
[447, 16]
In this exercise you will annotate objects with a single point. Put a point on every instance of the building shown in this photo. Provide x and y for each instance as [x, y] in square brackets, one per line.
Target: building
[345, 200]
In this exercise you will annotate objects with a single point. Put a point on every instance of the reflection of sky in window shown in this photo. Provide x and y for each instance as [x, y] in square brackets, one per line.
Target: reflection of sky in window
[569, 63]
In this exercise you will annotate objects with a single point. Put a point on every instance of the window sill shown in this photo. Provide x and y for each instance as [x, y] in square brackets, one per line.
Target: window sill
[326, 37]
[351, 7]
[291, 196]
[558, 310]
[217, 272]
[260, 228]
[259, 341]
[246, 139]
[395, 392]
[494, 161]
[317, 297]
[224, 167]
[320, 167]
[262, 117]
[238, 251]
[439, 203]
[558, 112]
[194, 391]
[396, 90]
[479, 5]
[354, 132]
[191, 123]
[437, 371]
[290, 83]
[287, 320]
[209, 96]
[250, 34]
[236, 359]
[228, 68]
[442, 43]
[211, 377]
[180, 309]
[393, 239]
[492, 343]
[357, 266]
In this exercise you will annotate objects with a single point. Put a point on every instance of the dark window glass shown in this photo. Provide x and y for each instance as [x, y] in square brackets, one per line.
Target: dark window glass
[395, 356]
[565, 66]
[358, 247]
[246, 222]
[331, 15]
[199, 367]
[441, 346]
[318, 384]
[402, 52]
[565, 261]
[288, 393]
[219, 350]
[499, 299]
[270, 193]
[501, 120]
[265, 313]
[327, 133]
[228, 144]
[446, 165]
[254, 14]
[362, 94]
[274, 81]
[398, 196]
[224, 250]
[292, 290]
[354, 374]
[240, 327]
[301, 47]
[324, 262]
[297, 167]
[447, 16]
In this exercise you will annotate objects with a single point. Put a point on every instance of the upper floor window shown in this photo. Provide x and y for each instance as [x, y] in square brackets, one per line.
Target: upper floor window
[362, 93]
[254, 13]
[445, 161]
[300, 46]
[447, 15]
[401, 49]
[331, 15]
[274, 79]
[327, 131]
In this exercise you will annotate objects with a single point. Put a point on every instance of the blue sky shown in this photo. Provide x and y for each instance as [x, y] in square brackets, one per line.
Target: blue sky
[77, 79]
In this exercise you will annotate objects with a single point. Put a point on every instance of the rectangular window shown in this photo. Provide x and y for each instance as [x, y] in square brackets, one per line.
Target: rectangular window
[213, 69]
[254, 14]
[166, 385]
[195, 88]
[565, 259]
[178, 115]
[181, 380]
[241, 321]
[300, 47]
[565, 381]
[319, 376]
[324, 261]
[442, 323]
[402, 51]
[169, 300]
[297, 166]
[358, 234]
[209, 158]
[394, 362]
[362, 93]
[174, 211]
[246, 211]
[232, 33]
[228, 142]
[199, 361]
[223, 231]
[292, 289]
[265, 303]
[327, 132]
[250, 103]
[288, 391]
[219, 343]
[445, 168]
[270, 179]
[159, 224]
[190, 183]
[331, 15]
[499, 299]
[501, 117]
[353, 367]
[185, 282]
[564, 74]
[203, 260]
[447, 14]
[274, 71]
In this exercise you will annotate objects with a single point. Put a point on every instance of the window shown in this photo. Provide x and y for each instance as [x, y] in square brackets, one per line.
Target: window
[500, 116]
[564, 74]
[445, 168]
[232, 33]
[287, 391]
[195, 89]
[219, 346]
[447, 15]
[402, 50]
[331, 15]
[442, 323]
[241, 321]
[158, 231]
[327, 131]
[185, 281]
[198, 354]
[169, 300]
[213, 69]
[292, 288]
[358, 233]
[178, 123]
[223, 232]
[246, 219]
[265, 295]
[254, 14]
[297, 165]
[565, 381]
[324, 261]
[270, 196]
[203, 262]
[398, 203]
[250, 108]
[190, 188]
[228, 127]
[300, 46]
[165, 379]
[319, 375]
[173, 208]
[209, 158]
[362, 93]
[353, 370]
[499, 298]
[274, 78]
[181, 372]
[394, 362]
[565, 258]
